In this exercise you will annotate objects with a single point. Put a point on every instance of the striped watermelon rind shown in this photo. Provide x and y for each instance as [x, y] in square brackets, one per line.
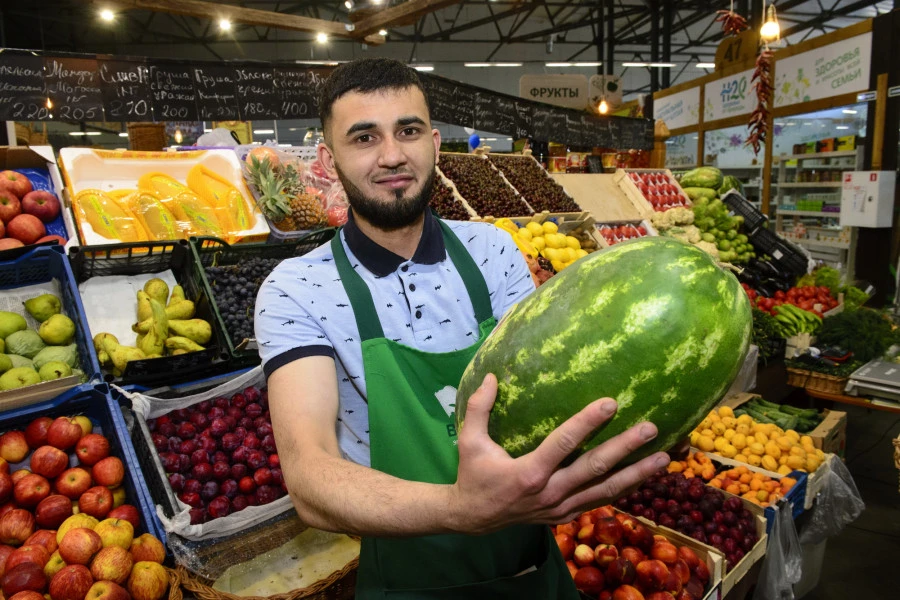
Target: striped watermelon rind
[654, 323]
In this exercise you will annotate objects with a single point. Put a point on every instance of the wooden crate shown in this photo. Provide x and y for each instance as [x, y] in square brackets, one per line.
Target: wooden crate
[600, 195]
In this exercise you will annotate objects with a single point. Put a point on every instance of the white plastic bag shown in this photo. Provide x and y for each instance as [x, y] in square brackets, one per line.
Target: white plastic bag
[783, 563]
[837, 505]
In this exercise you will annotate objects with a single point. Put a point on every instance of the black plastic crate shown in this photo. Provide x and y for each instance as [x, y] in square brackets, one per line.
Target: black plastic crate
[784, 254]
[738, 205]
[153, 257]
[210, 251]
[95, 402]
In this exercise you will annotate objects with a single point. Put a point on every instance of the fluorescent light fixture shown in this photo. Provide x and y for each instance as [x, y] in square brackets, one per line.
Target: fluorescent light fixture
[376, 2]
[329, 63]
[703, 65]
[492, 64]
[382, 32]
[107, 15]
[292, 128]
[85, 133]
[224, 24]
[207, 131]
[842, 127]
[123, 134]
[423, 68]
[663, 65]
[573, 64]
[490, 139]
[848, 111]
[646, 64]
[321, 37]
[263, 131]
[508, 139]
[635, 64]
[284, 145]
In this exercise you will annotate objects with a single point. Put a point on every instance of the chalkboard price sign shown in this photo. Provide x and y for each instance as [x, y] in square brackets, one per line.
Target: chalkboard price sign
[22, 94]
[216, 93]
[541, 125]
[73, 86]
[126, 90]
[297, 91]
[450, 102]
[256, 93]
[172, 87]
[524, 123]
[487, 118]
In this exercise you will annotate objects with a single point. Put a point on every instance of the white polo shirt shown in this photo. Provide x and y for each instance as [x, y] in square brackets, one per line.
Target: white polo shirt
[302, 309]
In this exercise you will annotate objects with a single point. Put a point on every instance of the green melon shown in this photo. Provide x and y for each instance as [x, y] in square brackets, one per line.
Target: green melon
[654, 323]
[706, 177]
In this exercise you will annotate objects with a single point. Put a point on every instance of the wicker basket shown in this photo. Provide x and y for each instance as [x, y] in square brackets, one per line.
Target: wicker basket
[816, 382]
[174, 584]
[797, 377]
[340, 585]
[147, 136]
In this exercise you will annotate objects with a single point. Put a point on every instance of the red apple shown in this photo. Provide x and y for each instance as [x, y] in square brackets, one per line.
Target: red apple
[5, 551]
[26, 228]
[583, 555]
[18, 475]
[73, 482]
[52, 511]
[36, 432]
[71, 583]
[148, 581]
[34, 554]
[16, 526]
[41, 204]
[91, 449]
[652, 574]
[107, 590]
[147, 548]
[74, 522]
[113, 563]
[627, 592]
[108, 471]
[10, 207]
[608, 531]
[115, 532]
[634, 555]
[4, 466]
[64, 433]
[97, 502]
[30, 490]
[589, 579]
[15, 183]
[13, 447]
[9, 244]
[604, 554]
[681, 568]
[45, 538]
[27, 595]
[52, 238]
[79, 545]
[49, 461]
[27, 576]
[6, 487]
[7, 507]
[128, 512]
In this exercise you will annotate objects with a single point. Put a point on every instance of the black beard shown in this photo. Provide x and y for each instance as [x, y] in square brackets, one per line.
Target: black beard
[388, 216]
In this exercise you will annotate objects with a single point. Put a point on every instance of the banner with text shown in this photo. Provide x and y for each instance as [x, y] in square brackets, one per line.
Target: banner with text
[570, 91]
[729, 97]
[839, 68]
[678, 110]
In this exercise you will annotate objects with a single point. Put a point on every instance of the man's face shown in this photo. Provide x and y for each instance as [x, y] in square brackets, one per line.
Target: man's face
[383, 149]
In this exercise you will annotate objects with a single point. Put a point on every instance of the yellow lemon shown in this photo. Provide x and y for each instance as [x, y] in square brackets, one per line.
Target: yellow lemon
[708, 433]
[549, 227]
[783, 470]
[761, 437]
[784, 442]
[745, 419]
[554, 241]
[730, 422]
[695, 436]
[713, 417]
[740, 458]
[706, 443]
[812, 463]
[581, 252]
[720, 443]
[535, 228]
[795, 462]
[558, 265]
[537, 241]
[743, 428]
[793, 435]
[719, 428]
[725, 411]
[572, 242]
[797, 451]
[773, 450]
[807, 441]
[525, 234]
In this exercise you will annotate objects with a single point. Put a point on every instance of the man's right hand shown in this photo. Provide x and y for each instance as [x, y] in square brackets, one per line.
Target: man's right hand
[494, 490]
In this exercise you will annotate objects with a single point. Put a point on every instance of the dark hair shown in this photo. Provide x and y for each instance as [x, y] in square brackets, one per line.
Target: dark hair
[366, 75]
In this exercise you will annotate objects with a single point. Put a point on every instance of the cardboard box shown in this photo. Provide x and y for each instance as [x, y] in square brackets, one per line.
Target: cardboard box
[831, 434]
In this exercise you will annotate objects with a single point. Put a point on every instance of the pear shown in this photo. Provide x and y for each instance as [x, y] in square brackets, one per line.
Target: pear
[43, 307]
[154, 339]
[182, 343]
[11, 322]
[2, 346]
[177, 295]
[196, 330]
[183, 309]
[144, 311]
[101, 341]
[157, 289]
[18, 377]
[58, 330]
[5, 363]
[54, 370]
[122, 355]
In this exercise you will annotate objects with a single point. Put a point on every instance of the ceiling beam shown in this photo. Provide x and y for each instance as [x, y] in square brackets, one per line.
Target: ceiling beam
[399, 15]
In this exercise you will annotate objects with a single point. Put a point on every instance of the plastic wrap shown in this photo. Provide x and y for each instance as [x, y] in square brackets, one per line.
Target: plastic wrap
[782, 566]
[838, 504]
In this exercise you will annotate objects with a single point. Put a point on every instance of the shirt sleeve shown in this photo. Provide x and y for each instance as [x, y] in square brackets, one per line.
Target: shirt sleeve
[285, 331]
[514, 278]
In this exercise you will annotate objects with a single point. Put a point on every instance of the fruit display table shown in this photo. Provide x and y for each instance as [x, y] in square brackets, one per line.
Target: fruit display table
[853, 400]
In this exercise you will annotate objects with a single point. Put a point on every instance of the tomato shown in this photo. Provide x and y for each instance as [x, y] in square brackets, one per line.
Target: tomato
[806, 305]
[779, 295]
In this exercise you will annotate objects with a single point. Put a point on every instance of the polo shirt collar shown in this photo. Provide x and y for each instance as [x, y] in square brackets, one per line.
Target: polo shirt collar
[381, 261]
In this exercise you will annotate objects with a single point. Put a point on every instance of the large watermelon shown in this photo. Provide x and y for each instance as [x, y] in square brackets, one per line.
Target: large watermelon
[654, 323]
[707, 177]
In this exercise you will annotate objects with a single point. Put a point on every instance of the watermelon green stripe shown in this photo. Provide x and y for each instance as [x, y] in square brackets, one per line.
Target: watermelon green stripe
[653, 323]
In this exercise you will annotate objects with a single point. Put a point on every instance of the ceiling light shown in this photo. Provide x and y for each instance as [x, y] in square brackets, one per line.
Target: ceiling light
[207, 130]
[321, 37]
[85, 133]
[376, 2]
[770, 30]
[382, 32]
[329, 63]
[702, 65]
[349, 4]
[179, 137]
[107, 15]
[603, 108]
[573, 64]
[848, 111]
[423, 68]
[224, 24]
[123, 134]
[842, 127]
[492, 64]
[263, 131]
[663, 65]
[635, 64]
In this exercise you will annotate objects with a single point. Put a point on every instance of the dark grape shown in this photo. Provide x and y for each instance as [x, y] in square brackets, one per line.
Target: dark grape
[234, 288]
[530, 180]
[482, 186]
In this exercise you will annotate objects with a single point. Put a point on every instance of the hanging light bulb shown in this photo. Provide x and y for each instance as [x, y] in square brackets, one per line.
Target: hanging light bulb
[178, 137]
[603, 108]
[49, 103]
[770, 30]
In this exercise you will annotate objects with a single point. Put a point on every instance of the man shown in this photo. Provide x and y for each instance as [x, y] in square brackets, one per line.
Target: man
[360, 339]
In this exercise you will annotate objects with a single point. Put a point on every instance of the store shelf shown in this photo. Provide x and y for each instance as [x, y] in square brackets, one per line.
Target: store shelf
[808, 213]
[822, 244]
[811, 184]
[836, 154]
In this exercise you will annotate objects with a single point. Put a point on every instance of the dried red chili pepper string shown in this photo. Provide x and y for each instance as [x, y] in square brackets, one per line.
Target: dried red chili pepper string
[762, 84]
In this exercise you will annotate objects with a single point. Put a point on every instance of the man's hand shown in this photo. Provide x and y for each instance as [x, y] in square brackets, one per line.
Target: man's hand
[494, 490]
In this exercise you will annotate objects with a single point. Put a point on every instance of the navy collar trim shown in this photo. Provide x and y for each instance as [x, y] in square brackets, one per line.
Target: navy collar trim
[381, 261]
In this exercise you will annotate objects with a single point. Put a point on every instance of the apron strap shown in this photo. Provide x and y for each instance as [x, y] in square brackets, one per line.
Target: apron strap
[361, 298]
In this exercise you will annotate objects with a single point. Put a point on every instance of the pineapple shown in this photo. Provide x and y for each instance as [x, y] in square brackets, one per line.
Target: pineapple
[307, 212]
[283, 198]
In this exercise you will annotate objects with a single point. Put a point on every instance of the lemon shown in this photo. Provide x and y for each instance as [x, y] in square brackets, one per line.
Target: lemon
[558, 265]
[739, 440]
[537, 241]
[706, 443]
[582, 252]
[551, 254]
[573, 254]
[525, 234]
[720, 443]
[719, 428]
[573, 243]
[549, 227]
[729, 434]
[552, 241]
[725, 411]
[757, 449]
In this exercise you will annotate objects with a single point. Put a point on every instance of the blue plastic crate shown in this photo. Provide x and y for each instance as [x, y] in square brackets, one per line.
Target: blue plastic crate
[796, 496]
[44, 264]
[94, 401]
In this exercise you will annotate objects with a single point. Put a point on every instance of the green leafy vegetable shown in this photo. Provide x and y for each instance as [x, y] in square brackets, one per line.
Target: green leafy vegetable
[830, 278]
[765, 334]
[853, 297]
[864, 332]
[807, 363]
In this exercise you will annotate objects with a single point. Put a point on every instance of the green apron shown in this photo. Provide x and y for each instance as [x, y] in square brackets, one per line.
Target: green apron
[414, 438]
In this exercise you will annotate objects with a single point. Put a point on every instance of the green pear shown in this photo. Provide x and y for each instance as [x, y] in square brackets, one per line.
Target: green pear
[183, 309]
[102, 343]
[197, 330]
[2, 346]
[19, 377]
[43, 307]
[54, 370]
[153, 341]
[11, 322]
[177, 295]
[144, 311]
[157, 289]
[182, 343]
[58, 330]
[5, 363]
